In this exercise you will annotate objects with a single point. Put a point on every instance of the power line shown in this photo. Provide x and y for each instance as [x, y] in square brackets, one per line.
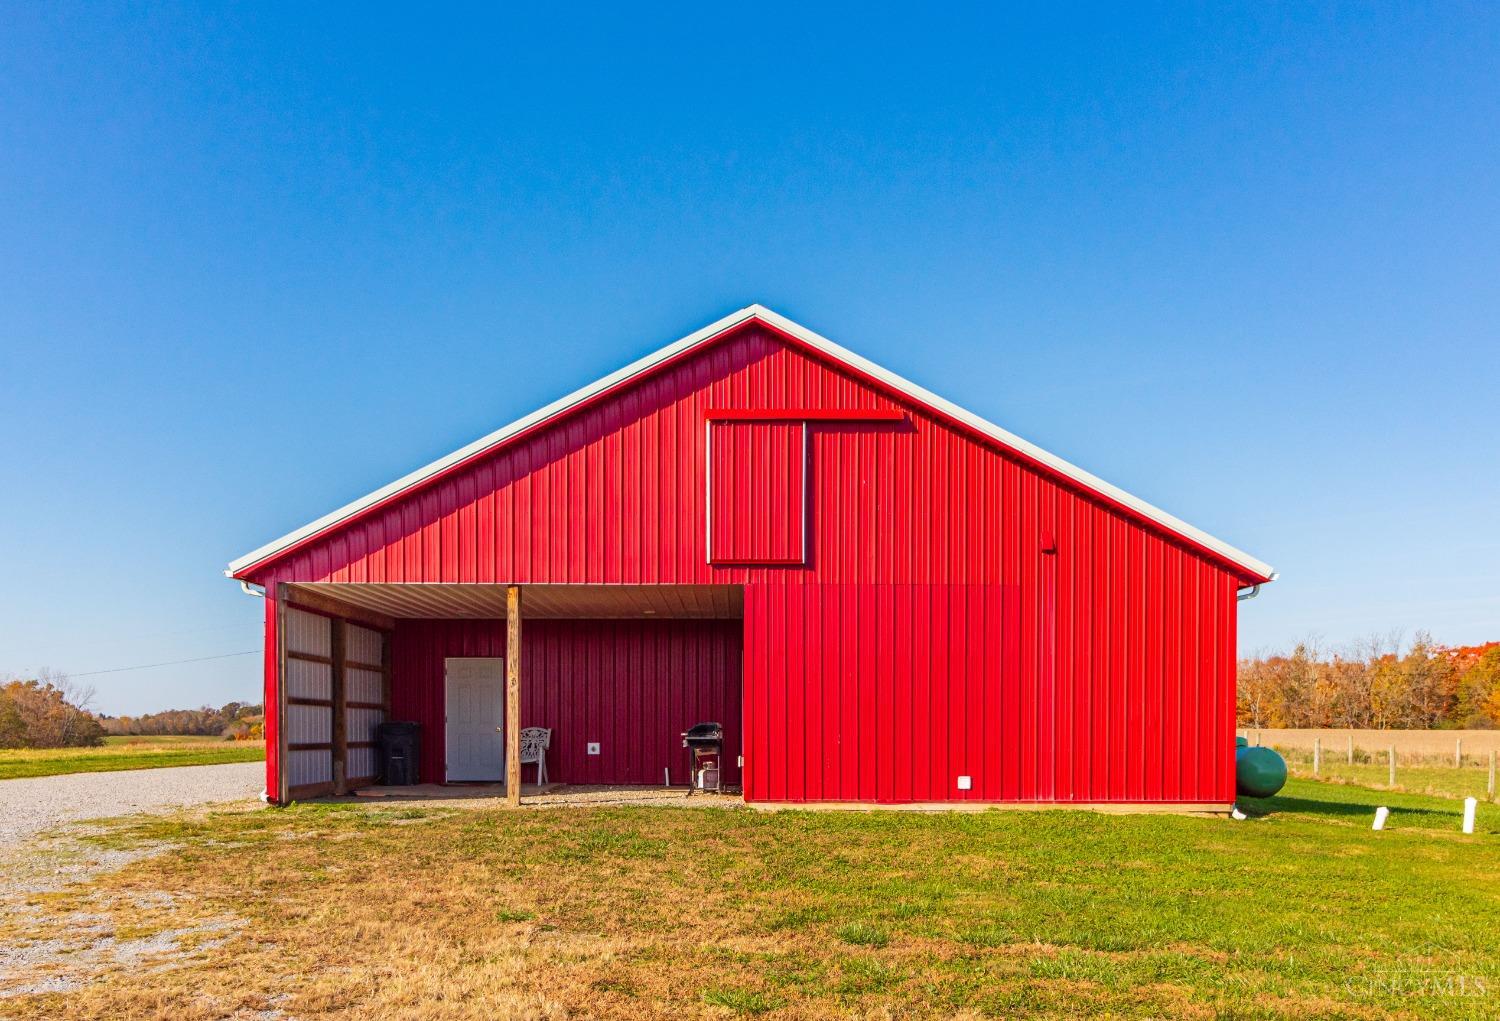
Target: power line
[114, 639]
[170, 662]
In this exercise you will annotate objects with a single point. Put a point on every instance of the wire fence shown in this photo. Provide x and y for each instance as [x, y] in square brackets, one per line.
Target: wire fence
[1448, 763]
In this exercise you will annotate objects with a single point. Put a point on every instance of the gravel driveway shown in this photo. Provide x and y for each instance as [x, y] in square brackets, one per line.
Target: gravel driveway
[33, 804]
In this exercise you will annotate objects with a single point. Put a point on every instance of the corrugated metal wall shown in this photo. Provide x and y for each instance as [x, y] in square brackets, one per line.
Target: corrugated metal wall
[364, 690]
[332, 667]
[632, 686]
[757, 492]
[309, 634]
[929, 635]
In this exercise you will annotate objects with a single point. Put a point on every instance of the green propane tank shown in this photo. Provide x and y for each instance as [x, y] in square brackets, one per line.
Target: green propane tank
[1258, 772]
[1241, 742]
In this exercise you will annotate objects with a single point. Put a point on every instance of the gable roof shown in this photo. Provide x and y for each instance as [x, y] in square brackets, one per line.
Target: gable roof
[1253, 568]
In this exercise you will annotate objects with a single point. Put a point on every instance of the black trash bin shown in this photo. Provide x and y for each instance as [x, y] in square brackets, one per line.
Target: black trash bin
[400, 749]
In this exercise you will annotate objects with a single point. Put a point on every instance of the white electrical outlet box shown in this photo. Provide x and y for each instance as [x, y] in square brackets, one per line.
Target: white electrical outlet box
[593, 747]
[965, 783]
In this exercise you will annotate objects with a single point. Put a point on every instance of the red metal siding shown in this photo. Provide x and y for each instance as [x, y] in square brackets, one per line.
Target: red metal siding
[632, 686]
[757, 495]
[272, 726]
[928, 635]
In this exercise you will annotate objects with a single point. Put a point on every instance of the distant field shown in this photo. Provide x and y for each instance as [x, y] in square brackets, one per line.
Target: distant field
[1409, 743]
[127, 753]
[174, 740]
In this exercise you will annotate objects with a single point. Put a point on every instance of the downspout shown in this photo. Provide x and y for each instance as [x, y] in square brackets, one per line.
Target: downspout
[1253, 590]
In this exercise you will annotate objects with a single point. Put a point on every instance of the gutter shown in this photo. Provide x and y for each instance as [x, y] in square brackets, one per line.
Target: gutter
[1245, 594]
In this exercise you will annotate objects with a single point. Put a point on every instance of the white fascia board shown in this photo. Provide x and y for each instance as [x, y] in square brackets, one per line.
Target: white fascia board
[813, 340]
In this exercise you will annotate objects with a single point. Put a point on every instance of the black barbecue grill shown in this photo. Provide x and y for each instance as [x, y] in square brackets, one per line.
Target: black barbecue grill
[705, 745]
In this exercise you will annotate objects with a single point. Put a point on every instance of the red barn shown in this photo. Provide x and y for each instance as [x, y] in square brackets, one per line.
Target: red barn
[882, 597]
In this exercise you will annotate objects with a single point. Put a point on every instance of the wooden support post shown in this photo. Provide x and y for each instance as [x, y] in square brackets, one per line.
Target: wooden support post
[1458, 752]
[513, 695]
[1317, 755]
[1351, 749]
[1393, 765]
[385, 674]
[1492, 774]
[340, 712]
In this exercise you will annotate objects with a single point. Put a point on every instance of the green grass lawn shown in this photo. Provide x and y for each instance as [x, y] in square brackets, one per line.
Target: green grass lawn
[127, 753]
[1432, 775]
[1444, 781]
[436, 911]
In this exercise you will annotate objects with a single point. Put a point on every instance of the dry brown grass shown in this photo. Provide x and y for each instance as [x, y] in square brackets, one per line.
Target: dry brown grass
[380, 911]
[118, 753]
[1411, 745]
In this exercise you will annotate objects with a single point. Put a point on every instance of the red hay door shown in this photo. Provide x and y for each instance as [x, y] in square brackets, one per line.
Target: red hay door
[757, 492]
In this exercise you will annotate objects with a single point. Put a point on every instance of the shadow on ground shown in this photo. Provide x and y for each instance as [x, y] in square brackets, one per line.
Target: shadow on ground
[1262, 807]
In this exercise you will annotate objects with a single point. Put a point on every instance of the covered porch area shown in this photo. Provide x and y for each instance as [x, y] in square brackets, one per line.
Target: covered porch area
[612, 673]
[550, 795]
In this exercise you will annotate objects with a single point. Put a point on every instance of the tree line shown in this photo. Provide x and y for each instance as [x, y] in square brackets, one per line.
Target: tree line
[49, 710]
[234, 720]
[1373, 686]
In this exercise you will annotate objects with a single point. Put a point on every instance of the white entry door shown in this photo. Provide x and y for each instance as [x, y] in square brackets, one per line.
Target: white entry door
[475, 702]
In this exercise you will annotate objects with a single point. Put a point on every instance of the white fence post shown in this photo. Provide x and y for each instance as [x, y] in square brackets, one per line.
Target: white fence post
[1470, 805]
[1381, 815]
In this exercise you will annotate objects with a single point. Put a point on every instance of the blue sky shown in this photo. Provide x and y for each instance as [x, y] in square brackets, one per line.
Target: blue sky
[257, 261]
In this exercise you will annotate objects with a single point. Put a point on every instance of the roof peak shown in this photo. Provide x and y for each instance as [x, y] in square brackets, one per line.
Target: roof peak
[1252, 567]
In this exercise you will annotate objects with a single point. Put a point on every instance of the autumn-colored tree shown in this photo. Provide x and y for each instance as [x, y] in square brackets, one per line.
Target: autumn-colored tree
[12, 724]
[1373, 685]
[247, 728]
[47, 711]
[1431, 683]
[1478, 702]
[1257, 686]
[1349, 701]
[225, 721]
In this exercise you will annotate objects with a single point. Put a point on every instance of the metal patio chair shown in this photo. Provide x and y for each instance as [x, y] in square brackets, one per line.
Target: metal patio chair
[534, 744]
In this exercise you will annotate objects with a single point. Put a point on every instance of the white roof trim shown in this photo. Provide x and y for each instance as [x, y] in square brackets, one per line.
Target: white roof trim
[814, 340]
